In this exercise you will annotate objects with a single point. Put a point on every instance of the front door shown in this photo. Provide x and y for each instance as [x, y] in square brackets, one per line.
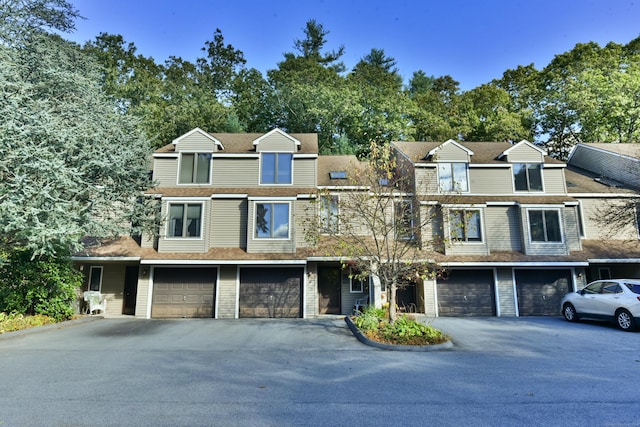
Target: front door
[130, 290]
[329, 284]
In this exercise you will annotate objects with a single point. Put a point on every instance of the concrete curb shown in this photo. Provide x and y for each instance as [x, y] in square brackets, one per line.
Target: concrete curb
[363, 339]
[44, 328]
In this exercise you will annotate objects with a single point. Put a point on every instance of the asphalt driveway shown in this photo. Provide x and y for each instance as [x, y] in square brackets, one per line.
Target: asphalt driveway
[501, 371]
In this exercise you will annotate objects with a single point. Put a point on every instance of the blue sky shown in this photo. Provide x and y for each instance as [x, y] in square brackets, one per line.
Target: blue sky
[473, 41]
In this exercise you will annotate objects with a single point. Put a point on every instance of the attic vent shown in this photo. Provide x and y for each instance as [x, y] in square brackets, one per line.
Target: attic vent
[338, 175]
[571, 184]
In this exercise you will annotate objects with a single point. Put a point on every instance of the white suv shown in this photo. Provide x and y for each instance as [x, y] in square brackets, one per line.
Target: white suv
[615, 300]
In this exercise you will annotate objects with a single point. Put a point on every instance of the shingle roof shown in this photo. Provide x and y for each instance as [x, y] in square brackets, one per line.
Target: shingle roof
[582, 181]
[281, 191]
[242, 143]
[328, 164]
[483, 152]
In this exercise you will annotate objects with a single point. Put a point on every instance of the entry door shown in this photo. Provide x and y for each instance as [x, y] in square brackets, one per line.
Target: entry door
[130, 290]
[329, 285]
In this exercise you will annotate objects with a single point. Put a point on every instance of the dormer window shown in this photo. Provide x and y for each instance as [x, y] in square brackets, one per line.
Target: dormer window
[277, 168]
[195, 168]
[453, 177]
[527, 176]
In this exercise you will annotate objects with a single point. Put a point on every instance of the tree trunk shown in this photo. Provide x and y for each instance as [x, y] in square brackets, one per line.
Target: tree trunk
[393, 315]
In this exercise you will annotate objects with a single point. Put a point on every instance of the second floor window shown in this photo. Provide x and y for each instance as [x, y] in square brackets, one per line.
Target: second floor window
[403, 220]
[272, 221]
[185, 220]
[329, 214]
[195, 168]
[453, 177]
[527, 176]
[465, 225]
[276, 168]
[545, 226]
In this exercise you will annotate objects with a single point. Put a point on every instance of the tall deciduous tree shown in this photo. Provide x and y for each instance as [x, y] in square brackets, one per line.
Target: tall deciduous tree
[72, 164]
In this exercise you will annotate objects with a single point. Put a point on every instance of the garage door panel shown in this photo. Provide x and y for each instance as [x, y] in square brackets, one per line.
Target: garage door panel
[183, 292]
[466, 293]
[539, 292]
[270, 292]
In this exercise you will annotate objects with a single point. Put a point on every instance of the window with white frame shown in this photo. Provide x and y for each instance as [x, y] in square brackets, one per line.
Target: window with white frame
[403, 220]
[277, 168]
[328, 213]
[544, 226]
[185, 220]
[453, 177]
[95, 279]
[358, 284]
[527, 176]
[272, 221]
[195, 168]
[465, 225]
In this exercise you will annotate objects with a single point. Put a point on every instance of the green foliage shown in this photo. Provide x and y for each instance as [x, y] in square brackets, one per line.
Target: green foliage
[16, 322]
[42, 285]
[369, 319]
[404, 331]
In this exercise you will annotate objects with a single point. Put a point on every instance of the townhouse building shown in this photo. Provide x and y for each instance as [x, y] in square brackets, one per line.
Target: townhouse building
[235, 209]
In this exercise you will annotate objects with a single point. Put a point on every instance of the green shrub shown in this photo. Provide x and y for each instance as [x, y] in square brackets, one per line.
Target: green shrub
[370, 318]
[41, 285]
[16, 322]
[405, 329]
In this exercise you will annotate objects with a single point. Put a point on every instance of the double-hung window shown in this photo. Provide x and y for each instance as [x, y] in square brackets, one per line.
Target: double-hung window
[95, 278]
[403, 220]
[185, 220]
[527, 176]
[272, 221]
[465, 225]
[277, 168]
[545, 226]
[453, 177]
[329, 214]
[195, 168]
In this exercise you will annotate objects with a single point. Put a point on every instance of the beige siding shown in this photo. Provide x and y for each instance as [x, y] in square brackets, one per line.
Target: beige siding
[227, 292]
[165, 171]
[429, 290]
[525, 154]
[426, 180]
[228, 224]
[503, 228]
[236, 172]
[348, 299]
[304, 213]
[276, 142]
[592, 212]
[196, 142]
[572, 232]
[451, 153]
[606, 164]
[542, 248]
[553, 181]
[262, 245]
[305, 172]
[310, 296]
[142, 298]
[505, 290]
[490, 180]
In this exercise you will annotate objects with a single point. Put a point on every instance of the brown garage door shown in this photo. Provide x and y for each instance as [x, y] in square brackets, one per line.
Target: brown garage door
[540, 291]
[183, 292]
[271, 292]
[466, 293]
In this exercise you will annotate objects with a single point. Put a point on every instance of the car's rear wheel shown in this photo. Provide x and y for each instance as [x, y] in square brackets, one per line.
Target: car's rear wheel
[569, 313]
[624, 320]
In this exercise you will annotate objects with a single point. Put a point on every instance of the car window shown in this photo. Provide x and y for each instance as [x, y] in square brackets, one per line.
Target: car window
[612, 289]
[594, 288]
[633, 287]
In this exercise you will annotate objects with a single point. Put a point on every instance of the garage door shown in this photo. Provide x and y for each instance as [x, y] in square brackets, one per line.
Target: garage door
[540, 291]
[271, 292]
[466, 293]
[183, 292]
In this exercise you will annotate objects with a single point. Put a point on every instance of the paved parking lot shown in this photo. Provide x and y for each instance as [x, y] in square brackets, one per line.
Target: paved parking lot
[527, 371]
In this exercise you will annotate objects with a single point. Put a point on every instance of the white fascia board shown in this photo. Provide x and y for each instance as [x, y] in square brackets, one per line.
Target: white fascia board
[217, 155]
[229, 196]
[266, 199]
[501, 203]
[541, 205]
[166, 155]
[464, 205]
[516, 264]
[306, 196]
[554, 165]
[106, 258]
[178, 262]
[426, 165]
[614, 260]
[605, 195]
[489, 166]
[305, 156]
[187, 198]
[343, 187]
[430, 202]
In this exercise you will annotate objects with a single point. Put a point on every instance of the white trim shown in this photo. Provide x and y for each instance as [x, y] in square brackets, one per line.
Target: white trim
[305, 156]
[91, 268]
[275, 172]
[496, 292]
[515, 291]
[281, 132]
[166, 155]
[558, 264]
[229, 196]
[202, 219]
[105, 258]
[203, 133]
[219, 155]
[195, 162]
[237, 308]
[217, 297]
[524, 142]
[447, 142]
[215, 262]
[150, 295]
[614, 260]
[272, 199]
[186, 199]
[561, 225]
